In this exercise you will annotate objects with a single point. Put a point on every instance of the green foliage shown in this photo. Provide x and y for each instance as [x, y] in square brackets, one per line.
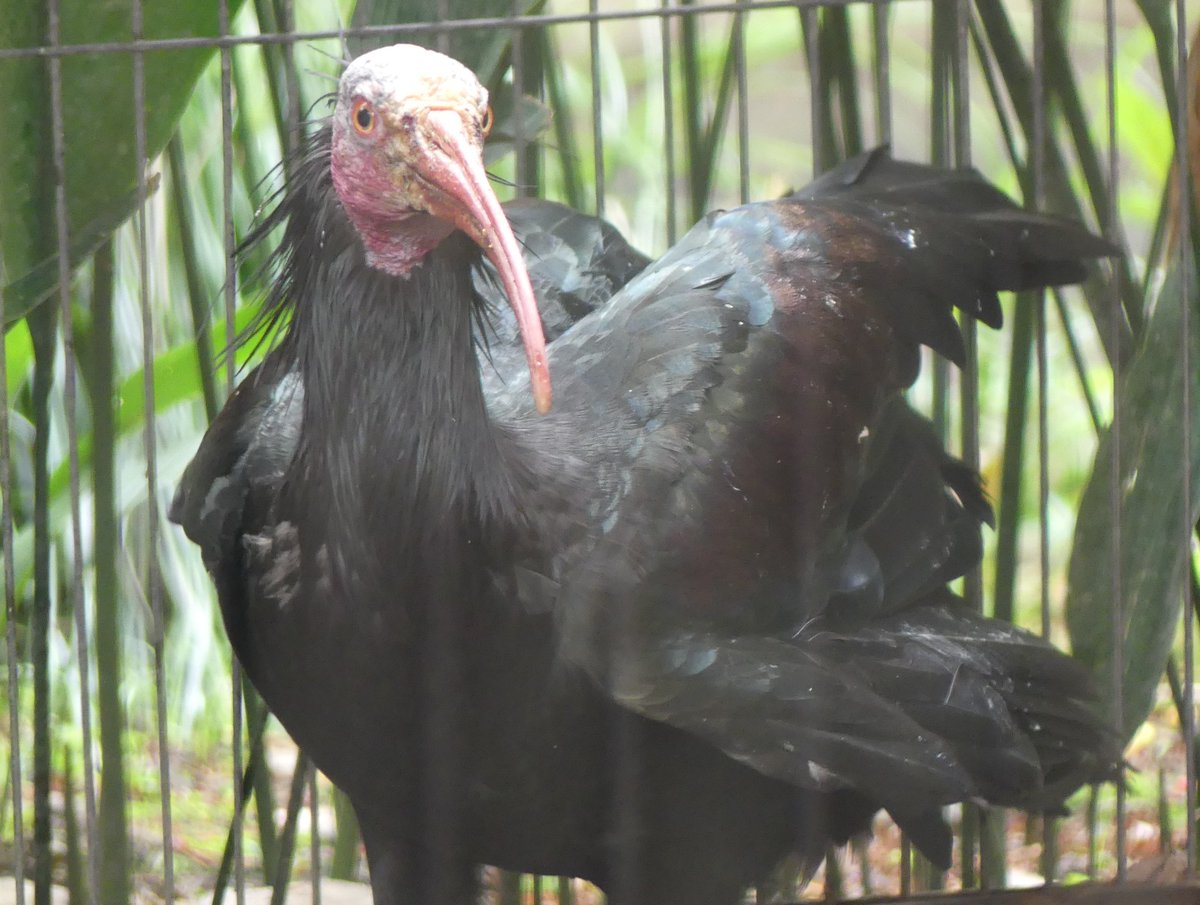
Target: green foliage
[1151, 516]
[98, 128]
[694, 89]
[479, 48]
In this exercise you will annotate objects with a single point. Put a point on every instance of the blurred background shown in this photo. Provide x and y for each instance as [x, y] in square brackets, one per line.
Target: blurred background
[140, 141]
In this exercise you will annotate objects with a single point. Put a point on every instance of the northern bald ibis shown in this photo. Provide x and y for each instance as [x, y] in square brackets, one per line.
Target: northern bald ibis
[688, 617]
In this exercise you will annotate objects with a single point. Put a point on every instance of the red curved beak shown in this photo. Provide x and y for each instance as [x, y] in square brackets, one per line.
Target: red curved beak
[456, 167]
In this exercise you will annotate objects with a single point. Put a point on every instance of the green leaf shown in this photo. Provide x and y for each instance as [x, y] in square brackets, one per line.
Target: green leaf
[18, 359]
[98, 122]
[1157, 14]
[30, 290]
[176, 380]
[476, 48]
[1153, 522]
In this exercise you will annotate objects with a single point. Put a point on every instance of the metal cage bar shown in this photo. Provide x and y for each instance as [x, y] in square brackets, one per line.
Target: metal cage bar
[15, 774]
[597, 104]
[668, 103]
[70, 394]
[1186, 257]
[230, 294]
[1112, 227]
[153, 579]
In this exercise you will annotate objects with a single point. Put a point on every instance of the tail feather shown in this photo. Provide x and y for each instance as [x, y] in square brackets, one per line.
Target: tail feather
[1020, 718]
[884, 684]
[918, 510]
[1019, 715]
[943, 239]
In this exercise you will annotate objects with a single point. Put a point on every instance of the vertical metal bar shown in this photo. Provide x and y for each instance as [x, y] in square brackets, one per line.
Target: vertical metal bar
[969, 845]
[940, 154]
[812, 53]
[287, 24]
[10, 624]
[229, 288]
[70, 400]
[668, 122]
[961, 76]
[443, 36]
[517, 49]
[597, 111]
[940, 149]
[230, 293]
[969, 385]
[743, 121]
[153, 578]
[1164, 814]
[1186, 264]
[958, 141]
[1049, 823]
[1093, 853]
[314, 833]
[960, 98]
[1112, 229]
[1043, 428]
[1037, 164]
[883, 72]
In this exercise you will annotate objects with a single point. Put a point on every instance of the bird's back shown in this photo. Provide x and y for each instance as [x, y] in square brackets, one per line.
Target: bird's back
[761, 531]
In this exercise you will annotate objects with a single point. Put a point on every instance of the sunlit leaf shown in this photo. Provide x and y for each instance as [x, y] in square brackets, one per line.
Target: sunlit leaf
[18, 358]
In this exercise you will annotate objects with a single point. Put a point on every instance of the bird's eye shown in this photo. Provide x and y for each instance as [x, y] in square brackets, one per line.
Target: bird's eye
[363, 118]
[488, 119]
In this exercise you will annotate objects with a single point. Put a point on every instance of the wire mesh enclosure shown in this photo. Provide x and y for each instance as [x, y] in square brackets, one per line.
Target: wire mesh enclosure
[145, 139]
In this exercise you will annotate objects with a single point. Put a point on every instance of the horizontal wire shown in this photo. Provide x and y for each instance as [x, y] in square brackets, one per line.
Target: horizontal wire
[364, 31]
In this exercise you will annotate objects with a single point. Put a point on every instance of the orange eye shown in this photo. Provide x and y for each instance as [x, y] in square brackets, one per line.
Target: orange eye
[488, 119]
[363, 117]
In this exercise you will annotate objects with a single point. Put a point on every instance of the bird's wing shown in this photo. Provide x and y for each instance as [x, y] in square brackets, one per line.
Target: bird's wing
[245, 452]
[239, 467]
[575, 263]
[744, 475]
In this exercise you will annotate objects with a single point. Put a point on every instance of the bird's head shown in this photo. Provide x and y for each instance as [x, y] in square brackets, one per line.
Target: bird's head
[407, 164]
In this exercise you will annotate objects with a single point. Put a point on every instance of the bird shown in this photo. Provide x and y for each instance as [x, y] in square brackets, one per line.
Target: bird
[658, 597]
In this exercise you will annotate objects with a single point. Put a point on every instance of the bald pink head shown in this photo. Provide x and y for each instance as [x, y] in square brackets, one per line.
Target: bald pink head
[407, 164]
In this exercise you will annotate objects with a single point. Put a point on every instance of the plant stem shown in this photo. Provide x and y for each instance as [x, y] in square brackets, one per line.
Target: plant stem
[113, 831]
[42, 328]
[345, 842]
[76, 885]
[287, 842]
[1018, 80]
[264, 799]
[840, 62]
[201, 317]
[692, 111]
[1017, 409]
[564, 130]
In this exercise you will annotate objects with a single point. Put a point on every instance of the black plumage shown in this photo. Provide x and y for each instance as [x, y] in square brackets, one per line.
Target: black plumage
[694, 618]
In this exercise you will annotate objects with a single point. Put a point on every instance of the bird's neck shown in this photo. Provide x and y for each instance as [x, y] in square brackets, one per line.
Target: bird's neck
[395, 420]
